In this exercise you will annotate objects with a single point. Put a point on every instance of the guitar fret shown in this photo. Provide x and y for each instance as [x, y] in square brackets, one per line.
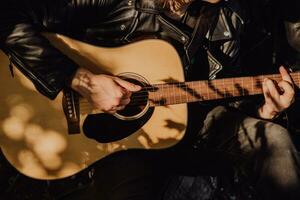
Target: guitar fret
[243, 91]
[186, 95]
[298, 79]
[184, 92]
[193, 89]
[223, 82]
[215, 86]
[160, 96]
[207, 90]
[232, 83]
[252, 85]
[180, 92]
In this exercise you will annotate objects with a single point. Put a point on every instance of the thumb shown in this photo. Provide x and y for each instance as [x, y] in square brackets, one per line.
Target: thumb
[127, 85]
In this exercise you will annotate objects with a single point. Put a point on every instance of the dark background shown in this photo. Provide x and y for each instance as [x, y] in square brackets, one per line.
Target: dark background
[264, 48]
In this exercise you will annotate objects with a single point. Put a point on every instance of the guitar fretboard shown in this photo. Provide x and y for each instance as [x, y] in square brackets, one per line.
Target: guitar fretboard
[176, 93]
[193, 91]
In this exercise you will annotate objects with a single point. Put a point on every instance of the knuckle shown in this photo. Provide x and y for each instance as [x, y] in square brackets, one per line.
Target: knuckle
[285, 83]
[106, 108]
[269, 81]
[115, 102]
[127, 101]
[93, 80]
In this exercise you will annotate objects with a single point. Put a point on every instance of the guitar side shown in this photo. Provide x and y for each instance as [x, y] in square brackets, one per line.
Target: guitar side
[154, 60]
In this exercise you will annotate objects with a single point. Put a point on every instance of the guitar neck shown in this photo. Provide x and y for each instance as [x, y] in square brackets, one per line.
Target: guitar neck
[186, 92]
[194, 91]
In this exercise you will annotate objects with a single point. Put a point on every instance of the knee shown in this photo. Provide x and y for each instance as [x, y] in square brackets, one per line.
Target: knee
[277, 137]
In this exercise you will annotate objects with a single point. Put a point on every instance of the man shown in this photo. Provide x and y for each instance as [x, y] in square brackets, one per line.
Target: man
[199, 30]
[291, 18]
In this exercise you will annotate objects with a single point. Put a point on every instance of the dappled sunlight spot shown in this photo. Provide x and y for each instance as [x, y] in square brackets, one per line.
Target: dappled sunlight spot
[85, 156]
[22, 111]
[165, 125]
[69, 168]
[51, 142]
[30, 164]
[51, 161]
[33, 133]
[27, 157]
[14, 99]
[109, 147]
[48, 147]
[154, 137]
[143, 140]
[100, 147]
[13, 128]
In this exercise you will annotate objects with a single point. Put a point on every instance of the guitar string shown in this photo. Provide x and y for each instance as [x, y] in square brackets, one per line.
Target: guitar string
[141, 94]
[203, 83]
[239, 79]
[138, 99]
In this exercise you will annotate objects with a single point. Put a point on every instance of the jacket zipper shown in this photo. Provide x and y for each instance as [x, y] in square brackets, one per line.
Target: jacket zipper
[11, 69]
[134, 25]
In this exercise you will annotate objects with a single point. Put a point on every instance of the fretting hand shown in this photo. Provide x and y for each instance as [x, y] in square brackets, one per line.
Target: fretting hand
[278, 96]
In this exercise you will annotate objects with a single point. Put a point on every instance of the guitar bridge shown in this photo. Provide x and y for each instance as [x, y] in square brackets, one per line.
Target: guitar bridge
[70, 103]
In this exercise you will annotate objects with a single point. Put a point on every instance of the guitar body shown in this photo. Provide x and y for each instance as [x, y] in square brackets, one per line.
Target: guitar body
[152, 61]
[33, 133]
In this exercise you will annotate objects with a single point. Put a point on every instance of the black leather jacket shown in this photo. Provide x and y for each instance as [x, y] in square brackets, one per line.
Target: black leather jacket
[293, 34]
[105, 23]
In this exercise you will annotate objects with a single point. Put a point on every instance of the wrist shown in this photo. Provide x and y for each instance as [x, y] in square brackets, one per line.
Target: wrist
[81, 80]
[265, 112]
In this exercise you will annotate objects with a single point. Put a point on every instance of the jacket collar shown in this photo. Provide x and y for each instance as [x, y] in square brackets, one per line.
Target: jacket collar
[152, 6]
[228, 21]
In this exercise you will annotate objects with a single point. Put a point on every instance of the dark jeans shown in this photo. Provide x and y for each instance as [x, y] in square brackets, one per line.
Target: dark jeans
[260, 149]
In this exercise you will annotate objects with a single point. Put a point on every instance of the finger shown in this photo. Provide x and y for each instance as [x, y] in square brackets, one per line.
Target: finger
[120, 108]
[266, 93]
[126, 94]
[288, 89]
[111, 111]
[268, 98]
[272, 89]
[124, 102]
[285, 75]
[127, 85]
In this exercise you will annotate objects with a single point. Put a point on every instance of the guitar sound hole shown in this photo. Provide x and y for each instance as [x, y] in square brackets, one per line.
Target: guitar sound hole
[138, 102]
[132, 109]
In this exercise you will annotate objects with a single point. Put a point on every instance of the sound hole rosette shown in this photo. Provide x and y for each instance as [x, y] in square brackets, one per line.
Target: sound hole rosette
[136, 79]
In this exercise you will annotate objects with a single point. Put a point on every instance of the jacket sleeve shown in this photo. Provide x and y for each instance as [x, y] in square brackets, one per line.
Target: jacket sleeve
[33, 54]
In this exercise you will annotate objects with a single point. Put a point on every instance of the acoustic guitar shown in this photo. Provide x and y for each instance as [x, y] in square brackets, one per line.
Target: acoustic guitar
[156, 117]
